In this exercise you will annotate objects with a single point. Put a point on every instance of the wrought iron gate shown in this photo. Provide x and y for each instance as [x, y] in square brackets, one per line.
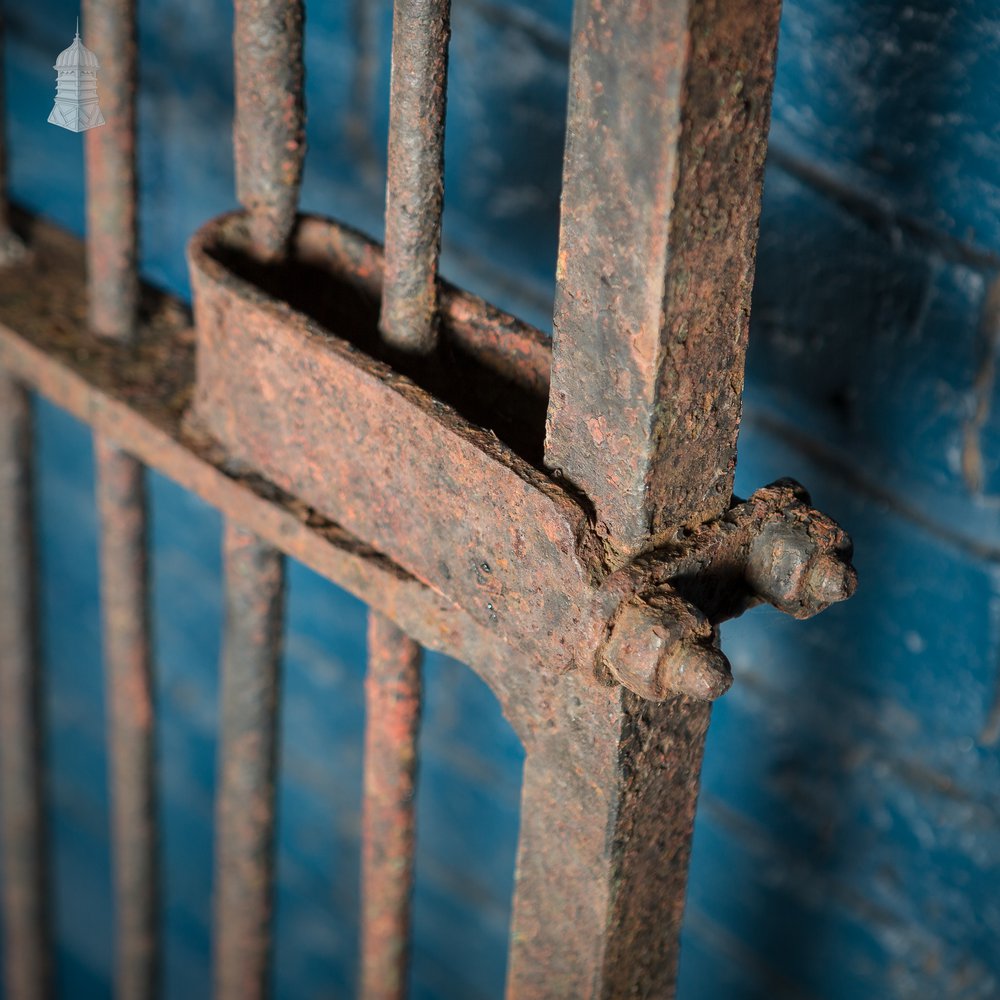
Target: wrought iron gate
[340, 404]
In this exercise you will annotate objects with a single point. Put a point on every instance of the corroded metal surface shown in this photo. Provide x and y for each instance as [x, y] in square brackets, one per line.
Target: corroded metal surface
[254, 583]
[340, 429]
[662, 645]
[392, 704]
[138, 397]
[112, 226]
[606, 820]
[287, 396]
[666, 136]
[614, 775]
[408, 327]
[131, 710]
[415, 185]
[27, 955]
[269, 128]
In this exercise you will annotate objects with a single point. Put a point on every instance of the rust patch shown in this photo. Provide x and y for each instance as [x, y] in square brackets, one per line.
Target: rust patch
[138, 395]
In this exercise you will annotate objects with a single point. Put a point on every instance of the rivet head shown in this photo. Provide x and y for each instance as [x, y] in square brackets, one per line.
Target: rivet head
[661, 646]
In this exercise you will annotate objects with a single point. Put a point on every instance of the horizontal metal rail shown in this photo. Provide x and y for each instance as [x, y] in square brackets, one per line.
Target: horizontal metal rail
[138, 397]
[133, 391]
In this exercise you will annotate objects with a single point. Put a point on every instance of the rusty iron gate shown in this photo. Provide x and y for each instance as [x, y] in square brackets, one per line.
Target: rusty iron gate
[557, 514]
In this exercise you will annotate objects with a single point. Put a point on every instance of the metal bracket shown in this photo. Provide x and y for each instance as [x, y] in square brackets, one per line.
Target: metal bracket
[431, 483]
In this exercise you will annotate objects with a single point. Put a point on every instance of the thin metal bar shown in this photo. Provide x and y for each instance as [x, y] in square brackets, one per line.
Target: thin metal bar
[392, 698]
[27, 958]
[131, 708]
[269, 144]
[415, 186]
[113, 301]
[112, 222]
[12, 249]
[409, 323]
[245, 818]
[23, 836]
[269, 127]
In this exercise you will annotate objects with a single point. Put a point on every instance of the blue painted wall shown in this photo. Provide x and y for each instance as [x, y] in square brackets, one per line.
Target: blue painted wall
[847, 844]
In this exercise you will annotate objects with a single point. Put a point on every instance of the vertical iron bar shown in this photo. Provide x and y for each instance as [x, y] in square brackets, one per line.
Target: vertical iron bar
[607, 808]
[112, 221]
[23, 836]
[11, 247]
[25, 873]
[269, 145]
[131, 703]
[113, 302]
[269, 127]
[415, 186]
[408, 323]
[245, 811]
[392, 698]
[666, 134]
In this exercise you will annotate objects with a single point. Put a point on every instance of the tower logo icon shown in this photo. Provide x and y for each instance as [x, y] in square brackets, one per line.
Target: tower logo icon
[76, 106]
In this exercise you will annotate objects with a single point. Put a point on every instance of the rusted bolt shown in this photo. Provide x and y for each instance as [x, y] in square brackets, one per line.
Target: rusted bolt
[662, 645]
[801, 564]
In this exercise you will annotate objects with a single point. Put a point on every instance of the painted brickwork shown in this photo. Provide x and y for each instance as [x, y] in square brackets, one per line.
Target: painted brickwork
[848, 840]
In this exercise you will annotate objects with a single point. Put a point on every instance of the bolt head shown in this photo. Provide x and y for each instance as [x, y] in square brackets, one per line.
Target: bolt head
[663, 646]
[800, 563]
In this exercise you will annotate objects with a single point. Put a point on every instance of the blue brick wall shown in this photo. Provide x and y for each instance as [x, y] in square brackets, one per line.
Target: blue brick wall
[847, 842]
